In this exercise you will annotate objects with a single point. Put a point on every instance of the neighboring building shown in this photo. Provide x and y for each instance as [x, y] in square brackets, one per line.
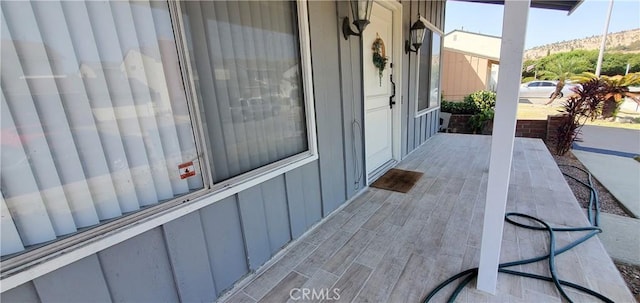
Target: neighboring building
[470, 63]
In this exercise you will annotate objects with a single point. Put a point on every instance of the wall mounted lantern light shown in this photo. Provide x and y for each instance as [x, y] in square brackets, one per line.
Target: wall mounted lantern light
[361, 12]
[417, 31]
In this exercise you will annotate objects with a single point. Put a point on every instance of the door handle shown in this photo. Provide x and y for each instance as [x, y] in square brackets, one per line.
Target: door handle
[393, 92]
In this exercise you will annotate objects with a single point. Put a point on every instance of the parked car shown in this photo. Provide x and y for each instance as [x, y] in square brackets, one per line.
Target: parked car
[543, 89]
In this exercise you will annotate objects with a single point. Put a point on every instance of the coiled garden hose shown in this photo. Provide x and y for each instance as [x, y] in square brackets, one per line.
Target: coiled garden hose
[593, 213]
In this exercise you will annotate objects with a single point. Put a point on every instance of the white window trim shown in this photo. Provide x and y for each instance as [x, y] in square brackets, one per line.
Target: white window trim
[426, 111]
[55, 255]
[416, 110]
[264, 173]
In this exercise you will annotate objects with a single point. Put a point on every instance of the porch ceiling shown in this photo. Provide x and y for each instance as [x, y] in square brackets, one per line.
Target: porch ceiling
[393, 247]
[563, 5]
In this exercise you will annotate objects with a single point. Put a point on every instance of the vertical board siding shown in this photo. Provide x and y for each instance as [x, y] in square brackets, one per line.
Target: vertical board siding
[265, 220]
[417, 130]
[433, 12]
[427, 127]
[412, 8]
[416, 133]
[352, 108]
[405, 112]
[225, 242]
[423, 127]
[323, 27]
[422, 131]
[439, 9]
[303, 198]
[443, 5]
[195, 257]
[25, 293]
[83, 282]
[274, 197]
[436, 13]
[296, 202]
[433, 128]
[312, 193]
[254, 226]
[189, 259]
[138, 269]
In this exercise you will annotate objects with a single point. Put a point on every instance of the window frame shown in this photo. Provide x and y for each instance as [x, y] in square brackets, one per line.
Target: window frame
[490, 64]
[271, 170]
[434, 29]
[50, 256]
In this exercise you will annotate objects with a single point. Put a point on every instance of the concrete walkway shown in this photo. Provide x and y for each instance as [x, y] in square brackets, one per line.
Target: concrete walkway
[621, 176]
[620, 237]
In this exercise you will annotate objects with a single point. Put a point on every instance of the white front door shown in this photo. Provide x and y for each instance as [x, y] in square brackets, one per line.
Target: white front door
[378, 117]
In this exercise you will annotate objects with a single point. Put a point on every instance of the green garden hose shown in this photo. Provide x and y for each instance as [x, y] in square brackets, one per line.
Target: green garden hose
[593, 213]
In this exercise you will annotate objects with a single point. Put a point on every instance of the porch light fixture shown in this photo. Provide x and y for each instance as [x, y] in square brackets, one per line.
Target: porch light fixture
[417, 31]
[361, 12]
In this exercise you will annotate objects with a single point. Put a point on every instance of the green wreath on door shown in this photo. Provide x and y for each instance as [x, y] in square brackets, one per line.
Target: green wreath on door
[379, 56]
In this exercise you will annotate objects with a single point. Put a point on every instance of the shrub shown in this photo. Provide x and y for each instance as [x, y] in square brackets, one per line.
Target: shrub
[448, 107]
[479, 104]
[478, 121]
[569, 128]
[461, 108]
[483, 99]
[485, 102]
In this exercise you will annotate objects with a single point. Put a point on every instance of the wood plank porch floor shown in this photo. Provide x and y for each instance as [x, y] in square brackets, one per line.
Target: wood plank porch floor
[394, 247]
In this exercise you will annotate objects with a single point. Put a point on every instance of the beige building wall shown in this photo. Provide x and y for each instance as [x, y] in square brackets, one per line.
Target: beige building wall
[484, 46]
[463, 74]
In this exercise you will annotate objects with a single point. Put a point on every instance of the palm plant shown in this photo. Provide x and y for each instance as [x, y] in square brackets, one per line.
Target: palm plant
[614, 91]
[560, 70]
[590, 101]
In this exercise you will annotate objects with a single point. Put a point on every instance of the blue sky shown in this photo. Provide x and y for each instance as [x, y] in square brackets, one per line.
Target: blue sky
[546, 26]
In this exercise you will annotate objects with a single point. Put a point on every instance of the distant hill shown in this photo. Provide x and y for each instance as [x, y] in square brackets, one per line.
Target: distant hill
[625, 41]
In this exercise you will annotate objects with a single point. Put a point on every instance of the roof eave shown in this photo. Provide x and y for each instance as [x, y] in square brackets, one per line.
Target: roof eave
[573, 9]
[564, 5]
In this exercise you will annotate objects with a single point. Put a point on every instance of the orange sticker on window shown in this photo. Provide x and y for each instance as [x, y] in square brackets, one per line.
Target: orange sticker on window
[186, 170]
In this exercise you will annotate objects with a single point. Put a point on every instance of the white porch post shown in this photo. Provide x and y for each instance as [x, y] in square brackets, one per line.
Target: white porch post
[514, 27]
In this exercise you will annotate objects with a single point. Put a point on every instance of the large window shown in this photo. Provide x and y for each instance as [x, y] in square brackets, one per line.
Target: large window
[95, 121]
[245, 57]
[429, 70]
[109, 108]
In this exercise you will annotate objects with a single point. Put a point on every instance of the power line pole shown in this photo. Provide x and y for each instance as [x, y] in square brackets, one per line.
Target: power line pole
[604, 39]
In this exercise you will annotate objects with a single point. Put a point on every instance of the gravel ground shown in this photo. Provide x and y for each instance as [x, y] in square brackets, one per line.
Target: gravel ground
[631, 275]
[608, 204]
